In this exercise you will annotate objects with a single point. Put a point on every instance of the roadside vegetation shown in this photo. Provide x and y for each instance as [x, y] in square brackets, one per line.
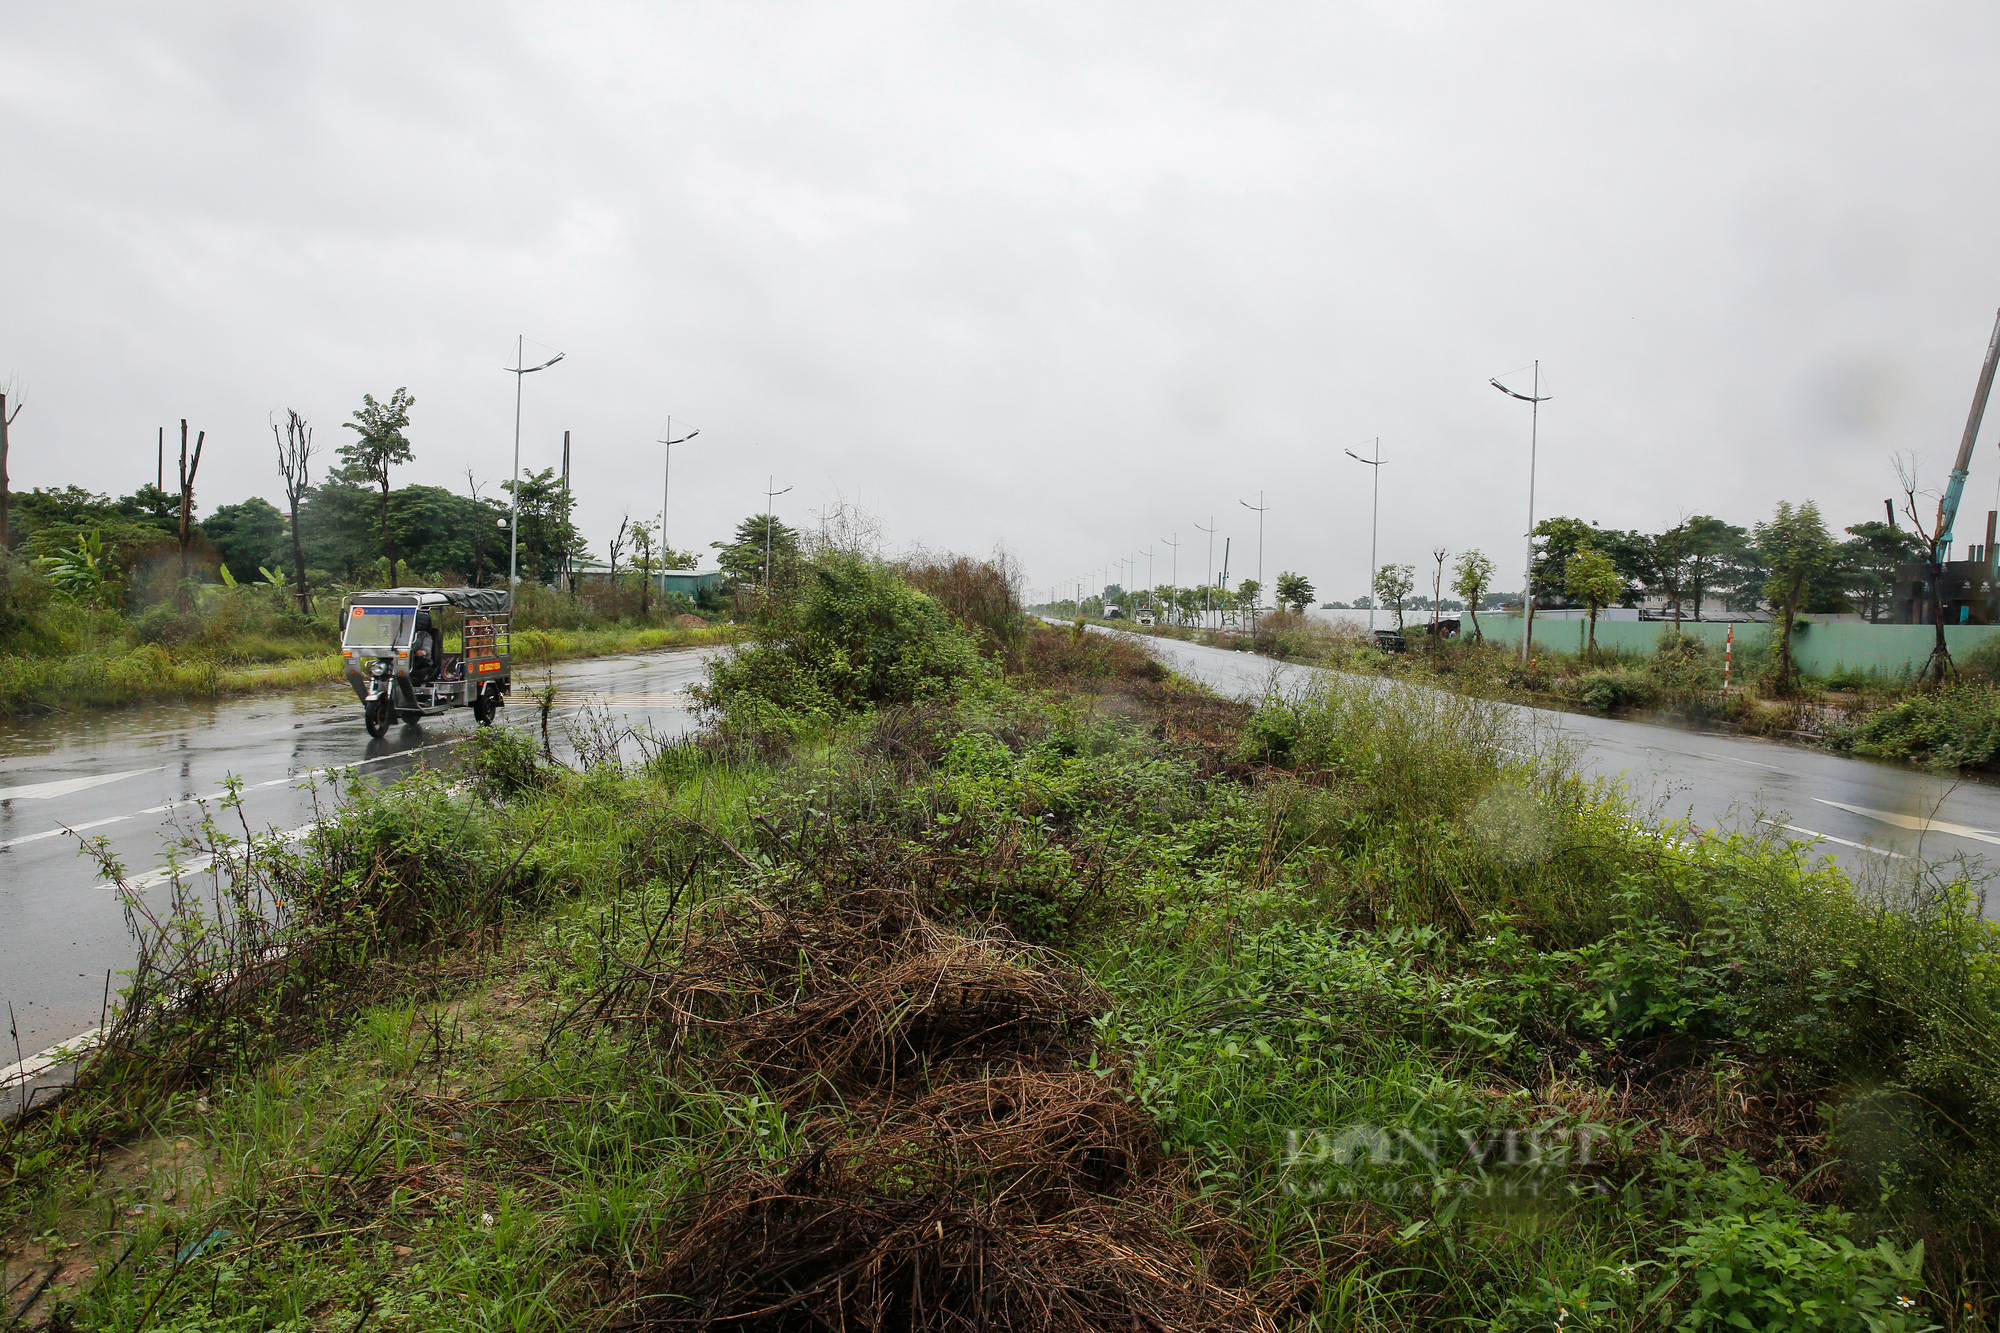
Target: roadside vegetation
[962, 974]
[58, 652]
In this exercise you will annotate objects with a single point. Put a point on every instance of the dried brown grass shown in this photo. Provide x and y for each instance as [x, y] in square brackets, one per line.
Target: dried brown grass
[968, 1171]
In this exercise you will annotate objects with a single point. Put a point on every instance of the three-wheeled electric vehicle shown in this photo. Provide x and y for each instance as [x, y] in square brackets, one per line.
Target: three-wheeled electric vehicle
[398, 652]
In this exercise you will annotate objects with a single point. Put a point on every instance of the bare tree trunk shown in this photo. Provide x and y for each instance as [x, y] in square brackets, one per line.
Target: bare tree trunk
[294, 465]
[646, 577]
[188, 470]
[6, 420]
[388, 549]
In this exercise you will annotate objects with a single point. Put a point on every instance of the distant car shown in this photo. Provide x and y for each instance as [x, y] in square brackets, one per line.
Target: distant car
[1145, 616]
[1114, 613]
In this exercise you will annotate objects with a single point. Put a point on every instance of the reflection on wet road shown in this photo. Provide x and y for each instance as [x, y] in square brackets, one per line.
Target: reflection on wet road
[132, 776]
[1867, 816]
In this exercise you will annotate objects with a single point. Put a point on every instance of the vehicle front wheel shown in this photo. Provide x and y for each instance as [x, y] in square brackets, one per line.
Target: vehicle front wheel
[375, 713]
[483, 709]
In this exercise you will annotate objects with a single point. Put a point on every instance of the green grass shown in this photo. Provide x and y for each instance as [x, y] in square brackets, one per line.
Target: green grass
[1390, 913]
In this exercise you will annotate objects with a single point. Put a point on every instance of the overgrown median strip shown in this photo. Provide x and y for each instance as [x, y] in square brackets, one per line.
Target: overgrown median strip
[940, 985]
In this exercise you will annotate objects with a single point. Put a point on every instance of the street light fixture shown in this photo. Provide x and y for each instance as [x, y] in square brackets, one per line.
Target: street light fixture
[1374, 523]
[1259, 507]
[1174, 582]
[1534, 401]
[517, 370]
[666, 489]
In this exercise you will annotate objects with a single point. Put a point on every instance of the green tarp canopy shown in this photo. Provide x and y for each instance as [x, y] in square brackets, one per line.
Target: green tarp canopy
[485, 601]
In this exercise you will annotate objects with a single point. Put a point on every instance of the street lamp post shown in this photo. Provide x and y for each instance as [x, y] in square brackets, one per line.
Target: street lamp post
[1374, 523]
[1174, 579]
[1208, 589]
[666, 490]
[769, 518]
[1259, 507]
[1534, 401]
[518, 369]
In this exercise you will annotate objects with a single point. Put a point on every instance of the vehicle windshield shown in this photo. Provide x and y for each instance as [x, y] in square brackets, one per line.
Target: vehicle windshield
[379, 626]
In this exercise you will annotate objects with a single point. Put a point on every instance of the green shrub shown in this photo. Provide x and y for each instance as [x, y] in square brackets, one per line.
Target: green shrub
[857, 635]
[1757, 1259]
[1607, 691]
[1953, 728]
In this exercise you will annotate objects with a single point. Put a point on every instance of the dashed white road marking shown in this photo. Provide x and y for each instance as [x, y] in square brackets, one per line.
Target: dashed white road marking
[1710, 754]
[1828, 837]
[1917, 823]
[42, 791]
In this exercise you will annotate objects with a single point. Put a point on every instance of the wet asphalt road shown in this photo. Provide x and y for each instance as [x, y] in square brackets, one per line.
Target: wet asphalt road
[134, 775]
[1876, 820]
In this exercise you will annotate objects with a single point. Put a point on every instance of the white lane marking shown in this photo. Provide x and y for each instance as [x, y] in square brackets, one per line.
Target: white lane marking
[42, 791]
[1916, 823]
[1710, 754]
[62, 1053]
[215, 795]
[58, 832]
[1828, 837]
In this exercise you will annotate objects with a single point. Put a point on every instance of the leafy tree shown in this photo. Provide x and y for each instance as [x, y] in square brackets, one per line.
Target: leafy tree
[741, 558]
[1866, 567]
[1798, 552]
[1188, 600]
[1592, 578]
[1664, 567]
[549, 541]
[1555, 541]
[1392, 585]
[335, 519]
[1295, 591]
[1247, 593]
[379, 444]
[247, 536]
[1719, 559]
[1469, 579]
[1632, 554]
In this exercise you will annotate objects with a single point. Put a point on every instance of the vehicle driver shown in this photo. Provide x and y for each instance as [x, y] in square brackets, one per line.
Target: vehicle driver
[423, 651]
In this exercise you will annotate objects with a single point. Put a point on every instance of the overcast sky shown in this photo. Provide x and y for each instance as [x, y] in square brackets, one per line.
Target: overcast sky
[1070, 278]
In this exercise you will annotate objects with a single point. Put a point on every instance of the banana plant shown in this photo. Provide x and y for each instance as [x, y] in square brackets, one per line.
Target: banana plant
[81, 574]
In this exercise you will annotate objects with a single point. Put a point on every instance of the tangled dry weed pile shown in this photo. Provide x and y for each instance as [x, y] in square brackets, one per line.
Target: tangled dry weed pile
[965, 1169]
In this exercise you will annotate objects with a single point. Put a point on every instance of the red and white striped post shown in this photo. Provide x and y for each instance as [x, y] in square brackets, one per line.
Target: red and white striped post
[1728, 643]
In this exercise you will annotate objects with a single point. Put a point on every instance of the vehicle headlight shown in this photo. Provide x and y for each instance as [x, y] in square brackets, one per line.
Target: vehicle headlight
[380, 667]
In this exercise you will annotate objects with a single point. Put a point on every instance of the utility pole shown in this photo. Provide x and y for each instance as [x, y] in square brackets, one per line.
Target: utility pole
[569, 572]
[1374, 523]
[770, 496]
[666, 489]
[518, 369]
[1535, 401]
[1148, 553]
